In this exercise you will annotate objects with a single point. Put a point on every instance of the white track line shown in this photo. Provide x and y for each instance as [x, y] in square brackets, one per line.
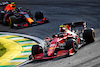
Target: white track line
[18, 60]
[26, 42]
[16, 38]
[27, 47]
[24, 63]
[4, 35]
[26, 53]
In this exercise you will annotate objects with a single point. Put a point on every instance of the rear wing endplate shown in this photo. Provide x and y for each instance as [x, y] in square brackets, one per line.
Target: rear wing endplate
[75, 24]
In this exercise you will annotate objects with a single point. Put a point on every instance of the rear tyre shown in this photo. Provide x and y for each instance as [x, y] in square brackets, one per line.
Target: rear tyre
[36, 49]
[13, 20]
[89, 35]
[72, 44]
[39, 15]
[1, 17]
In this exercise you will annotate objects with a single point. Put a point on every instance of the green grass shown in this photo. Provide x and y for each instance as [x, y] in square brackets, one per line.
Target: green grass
[2, 50]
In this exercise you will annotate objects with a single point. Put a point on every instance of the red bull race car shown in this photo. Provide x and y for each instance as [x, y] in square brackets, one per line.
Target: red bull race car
[71, 37]
[16, 17]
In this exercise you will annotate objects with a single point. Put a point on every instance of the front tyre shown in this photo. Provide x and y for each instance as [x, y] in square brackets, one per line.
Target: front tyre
[13, 20]
[36, 49]
[71, 43]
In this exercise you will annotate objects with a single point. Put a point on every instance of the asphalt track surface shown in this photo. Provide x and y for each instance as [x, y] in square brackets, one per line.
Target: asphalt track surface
[64, 11]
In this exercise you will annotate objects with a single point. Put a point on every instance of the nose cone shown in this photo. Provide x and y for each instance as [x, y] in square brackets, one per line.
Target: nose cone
[48, 54]
[50, 51]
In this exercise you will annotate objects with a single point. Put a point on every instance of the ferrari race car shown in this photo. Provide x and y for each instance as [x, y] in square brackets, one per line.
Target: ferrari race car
[19, 18]
[64, 43]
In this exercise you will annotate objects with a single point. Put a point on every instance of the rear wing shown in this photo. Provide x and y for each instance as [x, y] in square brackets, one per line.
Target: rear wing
[75, 24]
[4, 3]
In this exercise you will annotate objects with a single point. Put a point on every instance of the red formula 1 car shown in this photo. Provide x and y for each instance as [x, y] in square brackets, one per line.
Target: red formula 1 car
[71, 37]
[19, 18]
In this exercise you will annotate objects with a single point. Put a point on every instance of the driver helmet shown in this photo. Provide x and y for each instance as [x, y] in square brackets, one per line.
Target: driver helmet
[13, 5]
[62, 29]
[55, 36]
[67, 26]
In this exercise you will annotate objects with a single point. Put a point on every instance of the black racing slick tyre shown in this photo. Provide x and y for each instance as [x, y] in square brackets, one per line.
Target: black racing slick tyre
[1, 18]
[36, 49]
[71, 43]
[39, 15]
[89, 35]
[13, 20]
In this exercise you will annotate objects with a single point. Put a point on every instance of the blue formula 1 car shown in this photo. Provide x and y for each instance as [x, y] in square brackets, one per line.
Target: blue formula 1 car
[19, 18]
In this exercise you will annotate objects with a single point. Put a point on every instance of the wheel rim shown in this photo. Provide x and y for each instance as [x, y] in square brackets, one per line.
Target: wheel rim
[75, 46]
[93, 35]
